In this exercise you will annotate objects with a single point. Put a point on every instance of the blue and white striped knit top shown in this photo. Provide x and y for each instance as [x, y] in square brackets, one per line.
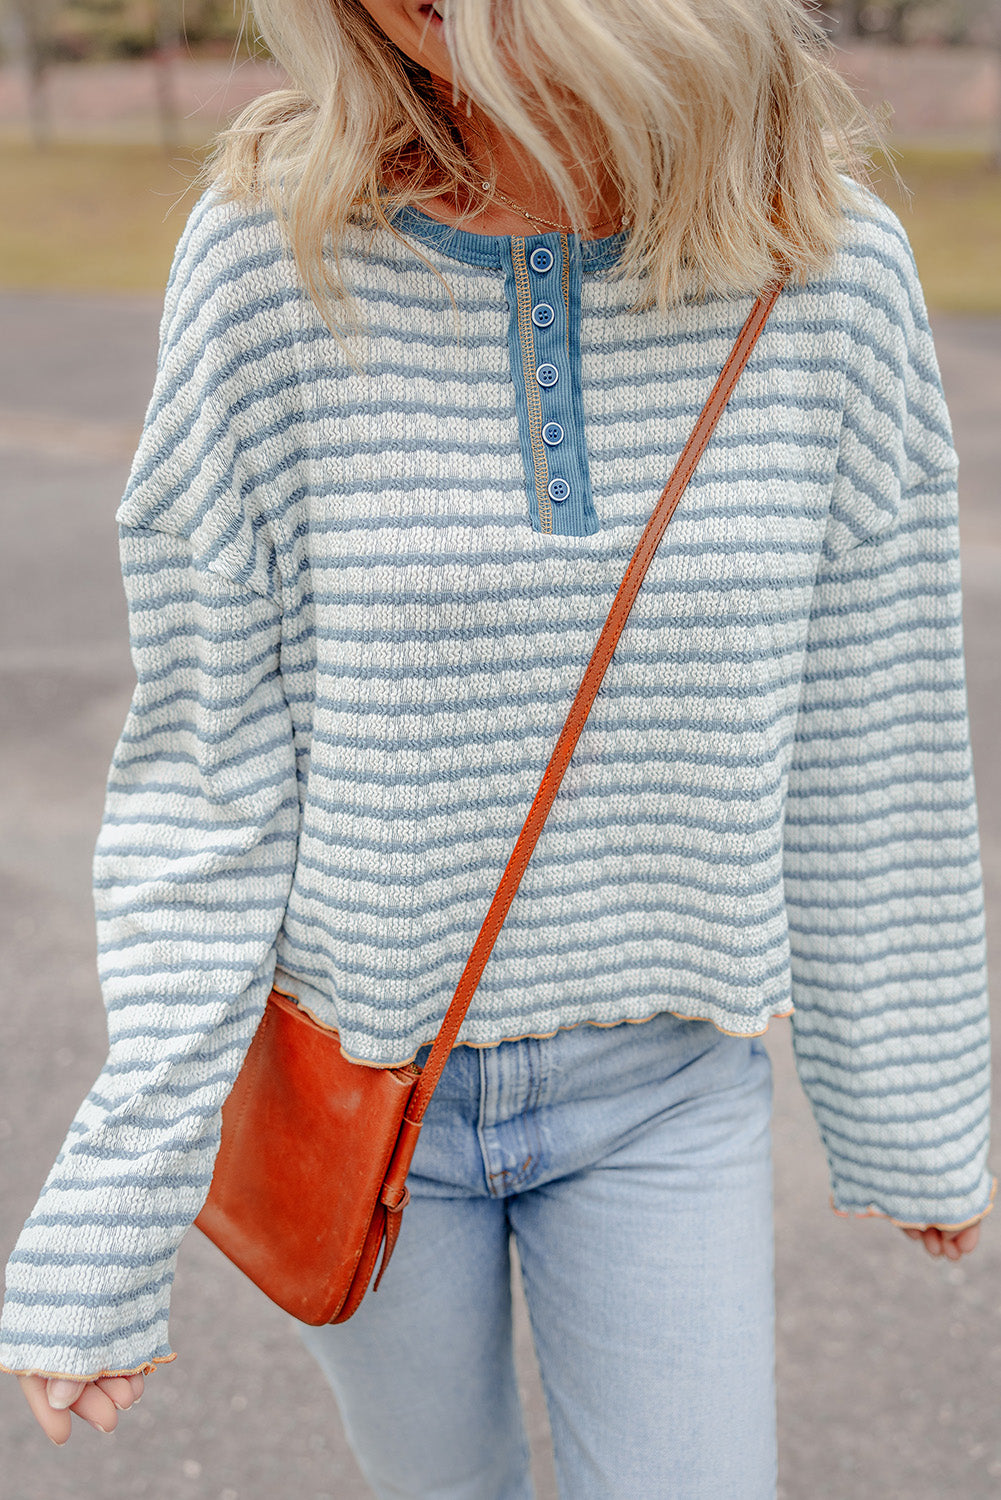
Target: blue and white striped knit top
[359, 610]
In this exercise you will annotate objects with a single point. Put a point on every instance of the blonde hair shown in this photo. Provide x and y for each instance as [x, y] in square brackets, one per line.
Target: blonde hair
[723, 124]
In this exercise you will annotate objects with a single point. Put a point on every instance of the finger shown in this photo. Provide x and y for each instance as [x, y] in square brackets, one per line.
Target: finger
[138, 1386]
[911, 1232]
[964, 1240]
[61, 1394]
[56, 1425]
[119, 1389]
[97, 1409]
[933, 1240]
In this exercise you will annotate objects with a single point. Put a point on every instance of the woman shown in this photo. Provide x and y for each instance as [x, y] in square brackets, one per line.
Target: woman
[389, 480]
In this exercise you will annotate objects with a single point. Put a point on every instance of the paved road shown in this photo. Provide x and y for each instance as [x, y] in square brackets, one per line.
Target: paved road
[889, 1362]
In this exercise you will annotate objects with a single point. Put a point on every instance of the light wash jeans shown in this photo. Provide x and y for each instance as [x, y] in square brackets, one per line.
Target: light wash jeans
[633, 1166]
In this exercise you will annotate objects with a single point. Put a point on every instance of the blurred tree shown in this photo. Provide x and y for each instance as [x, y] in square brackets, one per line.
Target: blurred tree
[30, 27]
[85, 29]
[104, 28]
[208, 22]
[991, 35]
[886, 19]
[167, 34]
[905, 21]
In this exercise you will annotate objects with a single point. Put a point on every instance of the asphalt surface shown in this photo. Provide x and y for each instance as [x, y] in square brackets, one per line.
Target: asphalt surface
[889, 1362]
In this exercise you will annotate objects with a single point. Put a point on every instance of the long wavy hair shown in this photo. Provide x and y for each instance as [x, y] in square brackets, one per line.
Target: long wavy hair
[723, 124]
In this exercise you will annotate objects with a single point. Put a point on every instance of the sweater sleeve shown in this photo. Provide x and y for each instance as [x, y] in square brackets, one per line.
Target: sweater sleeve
[192, 870]
[191, 873]
[883, 880]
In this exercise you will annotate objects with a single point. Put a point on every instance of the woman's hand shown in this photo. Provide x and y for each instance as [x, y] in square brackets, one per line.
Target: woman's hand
[952, 1243]
[96, 1401]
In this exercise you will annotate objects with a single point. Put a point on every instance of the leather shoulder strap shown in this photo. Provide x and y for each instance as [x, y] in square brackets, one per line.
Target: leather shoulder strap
[585, 696]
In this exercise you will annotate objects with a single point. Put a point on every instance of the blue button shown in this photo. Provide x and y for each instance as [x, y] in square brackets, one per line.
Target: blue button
[541, 259]
[542, 315]
[552, 434]
[547, 375]
[558, 489]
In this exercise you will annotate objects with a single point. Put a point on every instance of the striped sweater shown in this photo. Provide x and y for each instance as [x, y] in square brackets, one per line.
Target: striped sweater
[361, 597]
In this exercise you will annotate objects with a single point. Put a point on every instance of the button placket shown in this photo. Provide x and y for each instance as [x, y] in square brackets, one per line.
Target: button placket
[547, 374]
[544, 292]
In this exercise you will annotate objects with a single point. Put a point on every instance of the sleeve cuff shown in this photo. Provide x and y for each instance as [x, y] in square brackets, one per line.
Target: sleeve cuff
[952, 1219]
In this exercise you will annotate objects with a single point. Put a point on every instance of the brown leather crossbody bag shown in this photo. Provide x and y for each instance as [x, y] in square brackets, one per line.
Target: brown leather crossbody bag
[310, 1177]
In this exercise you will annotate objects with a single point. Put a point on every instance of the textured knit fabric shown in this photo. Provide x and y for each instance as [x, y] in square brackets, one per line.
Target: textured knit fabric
[354, 651]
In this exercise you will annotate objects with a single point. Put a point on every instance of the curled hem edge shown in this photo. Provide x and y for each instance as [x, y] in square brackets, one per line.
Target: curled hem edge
[143, 1369]
[541, 1036]
[877, 1213]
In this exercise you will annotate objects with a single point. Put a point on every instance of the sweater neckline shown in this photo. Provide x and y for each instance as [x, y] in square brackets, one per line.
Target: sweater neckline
[494, 249]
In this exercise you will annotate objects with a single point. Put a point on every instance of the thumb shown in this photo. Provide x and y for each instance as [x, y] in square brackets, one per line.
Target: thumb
[62, 1393]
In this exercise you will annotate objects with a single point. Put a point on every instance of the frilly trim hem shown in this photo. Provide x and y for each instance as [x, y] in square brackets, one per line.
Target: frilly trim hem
[877, 1213]
[146, 1369]
[523, 1036]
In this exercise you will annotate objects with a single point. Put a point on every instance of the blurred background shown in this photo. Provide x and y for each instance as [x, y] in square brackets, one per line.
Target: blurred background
[889, 1363]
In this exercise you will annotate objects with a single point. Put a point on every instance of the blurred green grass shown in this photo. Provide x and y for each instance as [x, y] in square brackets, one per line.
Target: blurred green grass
[92, 217]
[89, 217]
[953, 221]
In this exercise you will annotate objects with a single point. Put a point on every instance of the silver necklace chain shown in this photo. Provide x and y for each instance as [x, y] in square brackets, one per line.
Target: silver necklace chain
[495, 192]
